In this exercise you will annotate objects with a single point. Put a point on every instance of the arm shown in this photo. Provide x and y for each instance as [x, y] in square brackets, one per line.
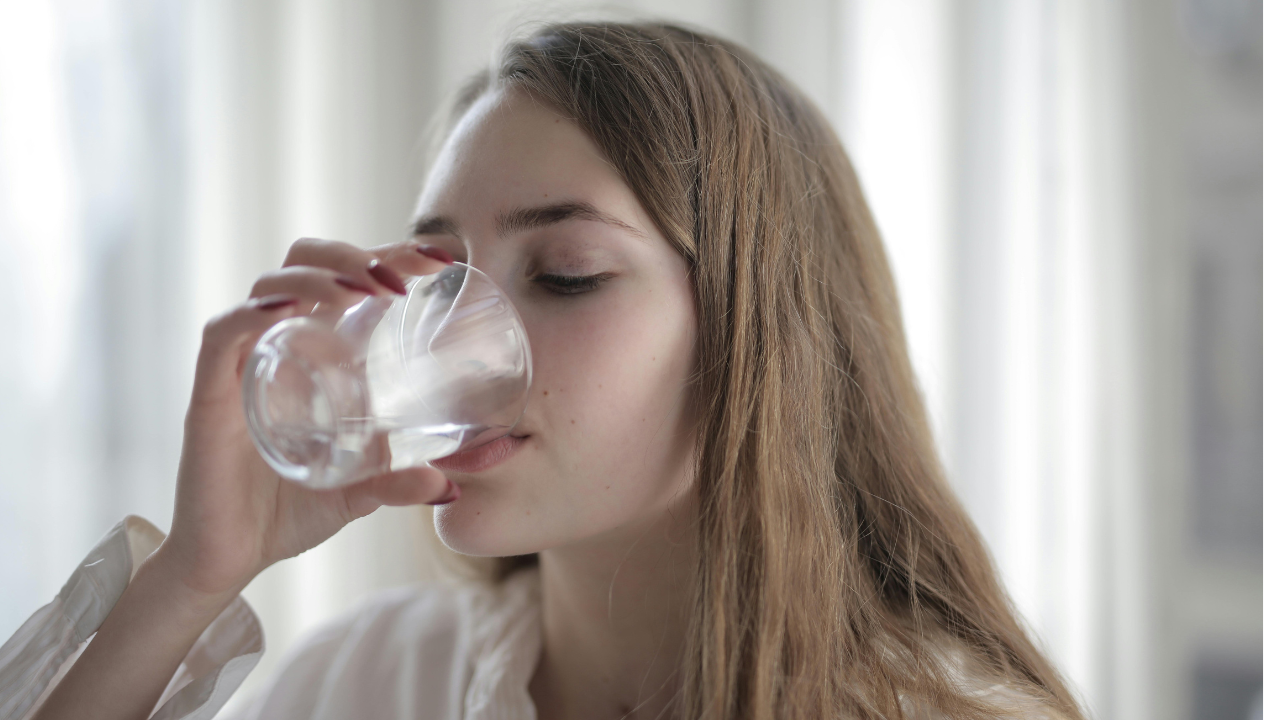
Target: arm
[233, 516]
[42, 651]
[144, 638]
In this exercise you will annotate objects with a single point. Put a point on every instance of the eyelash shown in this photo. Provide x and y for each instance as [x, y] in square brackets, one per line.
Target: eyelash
[572, 284]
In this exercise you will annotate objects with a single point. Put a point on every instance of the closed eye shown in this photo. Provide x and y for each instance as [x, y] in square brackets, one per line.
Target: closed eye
[571, 284]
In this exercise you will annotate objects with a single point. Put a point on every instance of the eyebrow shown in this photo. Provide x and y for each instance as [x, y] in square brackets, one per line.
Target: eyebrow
[525, 219]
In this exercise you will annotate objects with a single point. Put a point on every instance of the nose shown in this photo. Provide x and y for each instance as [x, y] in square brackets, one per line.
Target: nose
[499, 265]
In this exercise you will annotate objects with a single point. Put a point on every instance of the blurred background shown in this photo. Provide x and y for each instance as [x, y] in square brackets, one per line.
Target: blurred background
[1070, 192]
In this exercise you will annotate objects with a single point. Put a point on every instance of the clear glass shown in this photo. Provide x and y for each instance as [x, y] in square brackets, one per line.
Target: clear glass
[397, 381]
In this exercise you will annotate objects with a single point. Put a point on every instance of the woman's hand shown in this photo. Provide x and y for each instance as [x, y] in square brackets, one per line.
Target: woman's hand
[233, 515]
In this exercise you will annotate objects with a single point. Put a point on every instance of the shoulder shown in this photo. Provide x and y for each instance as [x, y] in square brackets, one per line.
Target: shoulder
[971, 678]
[404, 646]
[425, 616]
[1011, 699]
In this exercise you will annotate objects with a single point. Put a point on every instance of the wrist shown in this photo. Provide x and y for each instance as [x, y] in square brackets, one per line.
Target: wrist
[152, 627]
[163, 573]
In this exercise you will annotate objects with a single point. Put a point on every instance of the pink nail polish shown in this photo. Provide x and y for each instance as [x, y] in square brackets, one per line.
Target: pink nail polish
[386, 276]
[436, 253]
[451, 494]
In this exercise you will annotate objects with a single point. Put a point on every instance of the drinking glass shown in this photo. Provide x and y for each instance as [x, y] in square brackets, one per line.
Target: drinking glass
[398, 381]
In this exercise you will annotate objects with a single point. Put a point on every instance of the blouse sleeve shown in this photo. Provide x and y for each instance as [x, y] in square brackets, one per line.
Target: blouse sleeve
[40, 653]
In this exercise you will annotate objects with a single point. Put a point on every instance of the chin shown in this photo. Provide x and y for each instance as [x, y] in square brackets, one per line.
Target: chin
[470, 528]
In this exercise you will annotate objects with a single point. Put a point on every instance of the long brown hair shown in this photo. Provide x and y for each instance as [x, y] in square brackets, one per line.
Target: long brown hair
[837, 573]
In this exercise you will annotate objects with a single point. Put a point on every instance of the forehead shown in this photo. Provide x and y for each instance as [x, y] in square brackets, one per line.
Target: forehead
[509, 149]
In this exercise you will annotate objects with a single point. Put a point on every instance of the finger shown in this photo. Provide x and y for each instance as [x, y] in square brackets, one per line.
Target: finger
[326, 293]
[313, 283]
[348, 260]
[226, 341]
[413, 258]
[410, 486]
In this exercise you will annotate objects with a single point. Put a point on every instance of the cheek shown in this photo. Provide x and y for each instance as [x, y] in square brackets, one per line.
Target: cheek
[611, 435]
[607, 384]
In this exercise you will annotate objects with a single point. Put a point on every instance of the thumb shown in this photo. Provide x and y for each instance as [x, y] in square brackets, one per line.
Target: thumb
[410, 486]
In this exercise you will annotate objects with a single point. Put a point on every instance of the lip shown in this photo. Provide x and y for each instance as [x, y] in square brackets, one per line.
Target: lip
[482, 458]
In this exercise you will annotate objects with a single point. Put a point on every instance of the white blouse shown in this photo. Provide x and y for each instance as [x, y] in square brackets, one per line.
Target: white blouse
[426, 652]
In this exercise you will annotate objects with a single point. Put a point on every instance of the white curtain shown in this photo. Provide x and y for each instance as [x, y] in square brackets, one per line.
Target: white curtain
[155, 157]
[98, 327]
[992, 139]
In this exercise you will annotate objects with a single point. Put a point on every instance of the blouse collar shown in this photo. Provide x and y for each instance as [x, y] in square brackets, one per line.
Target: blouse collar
[511, 632]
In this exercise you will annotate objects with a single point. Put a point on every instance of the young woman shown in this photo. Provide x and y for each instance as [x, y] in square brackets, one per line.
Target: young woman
[722, 502]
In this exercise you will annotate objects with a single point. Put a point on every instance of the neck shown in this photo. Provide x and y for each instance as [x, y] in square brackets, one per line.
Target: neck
[614, 617]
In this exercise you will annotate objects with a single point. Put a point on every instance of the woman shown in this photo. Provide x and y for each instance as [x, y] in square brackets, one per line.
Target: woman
[723, 500]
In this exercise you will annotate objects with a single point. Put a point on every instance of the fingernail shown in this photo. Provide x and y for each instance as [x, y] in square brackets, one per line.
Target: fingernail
[353, 284]
[451, 494]
[274, 302]
[386, 276]
[435, 253]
